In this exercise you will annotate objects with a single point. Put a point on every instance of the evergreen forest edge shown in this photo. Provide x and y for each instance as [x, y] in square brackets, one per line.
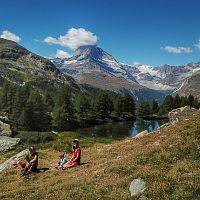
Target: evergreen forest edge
[28, 109]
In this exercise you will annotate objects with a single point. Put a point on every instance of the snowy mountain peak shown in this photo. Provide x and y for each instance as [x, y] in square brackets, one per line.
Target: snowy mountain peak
[92, 59]
[92, 52]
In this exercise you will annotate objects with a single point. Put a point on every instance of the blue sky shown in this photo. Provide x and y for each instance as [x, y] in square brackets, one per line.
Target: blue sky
[153, 32]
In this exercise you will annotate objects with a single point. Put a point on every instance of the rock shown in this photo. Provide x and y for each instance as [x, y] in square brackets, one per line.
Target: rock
[143, 198]
[55, 132]
[137, 187]
[180, 114]
[164, 125]
[4, 118]
[9, 163]
[7, 143]
[5, 129]
[141, 134]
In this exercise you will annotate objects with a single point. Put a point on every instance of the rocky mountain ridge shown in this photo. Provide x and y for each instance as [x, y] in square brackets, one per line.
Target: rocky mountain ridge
[167, 76]
[92, 65]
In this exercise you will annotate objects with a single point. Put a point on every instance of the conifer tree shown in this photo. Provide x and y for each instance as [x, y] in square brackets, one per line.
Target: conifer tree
[143, 110]
[82, 106]
[25, 121]
[191, 100]
[154, 107]
[123, 105]
[184, 101]
[103, 105]
[35, 116]
[48, 101]
[196, 103]
[7, 97]
[168, 103]
[162, 110]
[177, 101]
[20, 100]
[118, 105]
[64, 109]
[129, 104]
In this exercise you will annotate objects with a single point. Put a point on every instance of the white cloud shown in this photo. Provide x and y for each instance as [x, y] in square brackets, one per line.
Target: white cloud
[136, 63]
[49, 40]
[197, 45]
[10, 36]
[36, 40]
[176, 50]
[73, 39]
[62, 54]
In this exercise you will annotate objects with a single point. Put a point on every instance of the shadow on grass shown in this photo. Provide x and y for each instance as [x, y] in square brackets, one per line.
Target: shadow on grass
[43, 169]
[84, 163]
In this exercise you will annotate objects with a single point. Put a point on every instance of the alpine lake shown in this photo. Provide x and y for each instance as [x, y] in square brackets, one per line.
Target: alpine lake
[122, 129]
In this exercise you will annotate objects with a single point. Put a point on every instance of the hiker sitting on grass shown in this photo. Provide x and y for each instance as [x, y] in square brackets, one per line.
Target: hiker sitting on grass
[62, 161]
[21, 162]
[31, 166]
[76, 158]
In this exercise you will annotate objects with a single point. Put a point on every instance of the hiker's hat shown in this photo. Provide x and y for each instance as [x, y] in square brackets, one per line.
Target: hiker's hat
[76, 140]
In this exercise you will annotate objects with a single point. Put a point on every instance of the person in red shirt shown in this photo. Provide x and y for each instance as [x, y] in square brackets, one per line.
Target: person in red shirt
[76, 157]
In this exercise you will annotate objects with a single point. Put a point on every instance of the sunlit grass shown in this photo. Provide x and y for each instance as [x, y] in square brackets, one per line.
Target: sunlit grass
[168, 161]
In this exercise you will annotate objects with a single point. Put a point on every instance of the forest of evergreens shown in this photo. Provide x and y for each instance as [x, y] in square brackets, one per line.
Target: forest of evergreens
[30, 110]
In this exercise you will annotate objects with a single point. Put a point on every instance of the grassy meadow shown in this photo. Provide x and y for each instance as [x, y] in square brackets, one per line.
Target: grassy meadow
[167, 160]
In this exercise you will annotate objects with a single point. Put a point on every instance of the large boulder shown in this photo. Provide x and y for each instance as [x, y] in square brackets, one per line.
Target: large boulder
[180, 114]
[7, 143]
[5, 129]
[137, 187]
[4, 117]
[9, 163]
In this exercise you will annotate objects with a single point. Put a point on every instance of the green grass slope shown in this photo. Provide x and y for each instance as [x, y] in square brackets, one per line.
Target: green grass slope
[167, 160]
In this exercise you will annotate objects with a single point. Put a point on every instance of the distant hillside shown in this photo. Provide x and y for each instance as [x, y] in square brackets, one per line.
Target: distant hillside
[190, 85]
[20, 66]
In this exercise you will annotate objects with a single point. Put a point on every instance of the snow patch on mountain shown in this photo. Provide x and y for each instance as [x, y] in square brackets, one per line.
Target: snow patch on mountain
[69, 62]
[155, 85]
[182, 84]
[196, 70]
[149, 69]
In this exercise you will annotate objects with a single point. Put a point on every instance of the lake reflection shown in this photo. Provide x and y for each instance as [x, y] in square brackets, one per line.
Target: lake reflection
[122, 129]
[149, 125]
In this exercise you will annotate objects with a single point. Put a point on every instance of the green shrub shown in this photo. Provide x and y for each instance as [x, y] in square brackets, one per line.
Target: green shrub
[35, 137]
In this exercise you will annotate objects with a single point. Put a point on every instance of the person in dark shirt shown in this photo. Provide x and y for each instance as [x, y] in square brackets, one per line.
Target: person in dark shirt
[32, 165]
